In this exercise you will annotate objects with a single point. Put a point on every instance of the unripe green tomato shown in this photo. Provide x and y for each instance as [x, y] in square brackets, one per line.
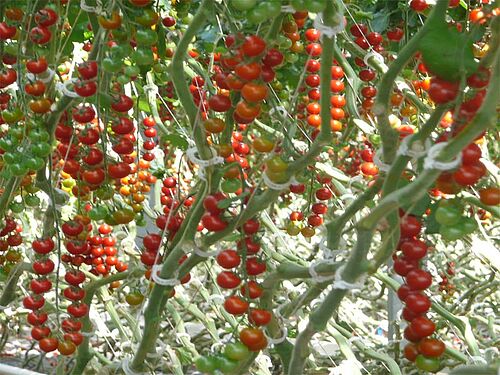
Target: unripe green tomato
[452, 232]
[32, 200]
[206, 364]
[273, 8]
[291, 57]
[468, 224]
[292, 229]
[236, 351]
[226, 365]
[31, 188]
[16, 207]
[123, 79]
[299, 5]
[230, 185]
[98, 213]
[283, 94]
[187, 19]
[243, 4]
[132, 70]
[315, 6]
[284, 43]
[143, 56]
[258, 14]
[448, 214]
[427, 364]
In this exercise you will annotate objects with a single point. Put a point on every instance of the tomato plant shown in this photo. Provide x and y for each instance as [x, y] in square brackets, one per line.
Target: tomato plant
[216, 178]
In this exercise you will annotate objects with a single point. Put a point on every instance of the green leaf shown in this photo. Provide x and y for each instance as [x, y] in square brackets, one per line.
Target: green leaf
[176, 140]
[431, 225]
[447, 53]
[144, 106]
[380, 21]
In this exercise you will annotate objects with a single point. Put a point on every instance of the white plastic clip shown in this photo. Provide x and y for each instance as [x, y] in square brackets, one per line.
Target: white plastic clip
[48, 78]
[379, 163]
[342, 284]
[192, 155]
[287, 9]
[330, 253]
[314, 274]
[430, 161]
[417, 149]
[127, 370]
[160, 281]
[326, 30]
[476, 359]
[377, 56]
[279, 340]
[151, 88]
[64, 89]
[205, 254]
[91, 9]
[274, 186]
[280, 109]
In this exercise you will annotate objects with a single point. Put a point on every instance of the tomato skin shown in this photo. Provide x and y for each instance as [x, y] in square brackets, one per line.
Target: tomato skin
[467, 175]
[427, 364]
[235, 306]
[213, 223]
[253, 46]
[490, 196]
[253, 92]
[134, 298]
[121, 103]
[418, 303]
[254, 267]
[6, 31]
[40, 332]
[441, 91]
[228, 280]
[260, 317]
[219, 103]
[236, 351]
[410, 226]
[40, 35]
[214, 125]
[48, 344]
[37, 318]
[254, 289]
[66, 347]
[431, 347]
[418, 279]
[248, 72]
[253, 339]
[411, 352]
[414, 249]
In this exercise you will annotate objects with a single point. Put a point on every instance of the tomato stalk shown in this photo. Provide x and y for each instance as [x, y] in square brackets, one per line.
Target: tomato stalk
[84, 354]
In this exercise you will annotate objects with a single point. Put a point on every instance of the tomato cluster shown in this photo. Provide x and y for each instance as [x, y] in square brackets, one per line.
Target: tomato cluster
[423, 350]
[10, 239]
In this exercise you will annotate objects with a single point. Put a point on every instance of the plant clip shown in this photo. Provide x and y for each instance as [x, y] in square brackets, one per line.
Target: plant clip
[430, 161]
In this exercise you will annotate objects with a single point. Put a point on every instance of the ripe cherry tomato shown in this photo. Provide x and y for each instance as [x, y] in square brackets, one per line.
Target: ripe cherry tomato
[418, 303]
[235, 306]
[228, 280]
[48, 344]
[253, 338]
[260, 317]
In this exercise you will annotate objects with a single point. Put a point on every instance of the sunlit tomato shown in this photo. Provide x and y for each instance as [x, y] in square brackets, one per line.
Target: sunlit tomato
[253, 46]
[254, 290]
[119, 170]
[418, 279]
[40, 35]
[254, 92]
[441, 91]
[235, 305]
[112, 23]
[490, 196]
[228, 280]
[213, 223]
[262, 144]
[253, 338]
[94, 177]
[6, 31]
[48, 344]
[273, 58]
[121, 103]
[260, 317]
[248, 72]
[418, 303]
[36, 88]
[247, 110]
[219, 103]
[88, 69]
[228, 259]
[214, 125]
